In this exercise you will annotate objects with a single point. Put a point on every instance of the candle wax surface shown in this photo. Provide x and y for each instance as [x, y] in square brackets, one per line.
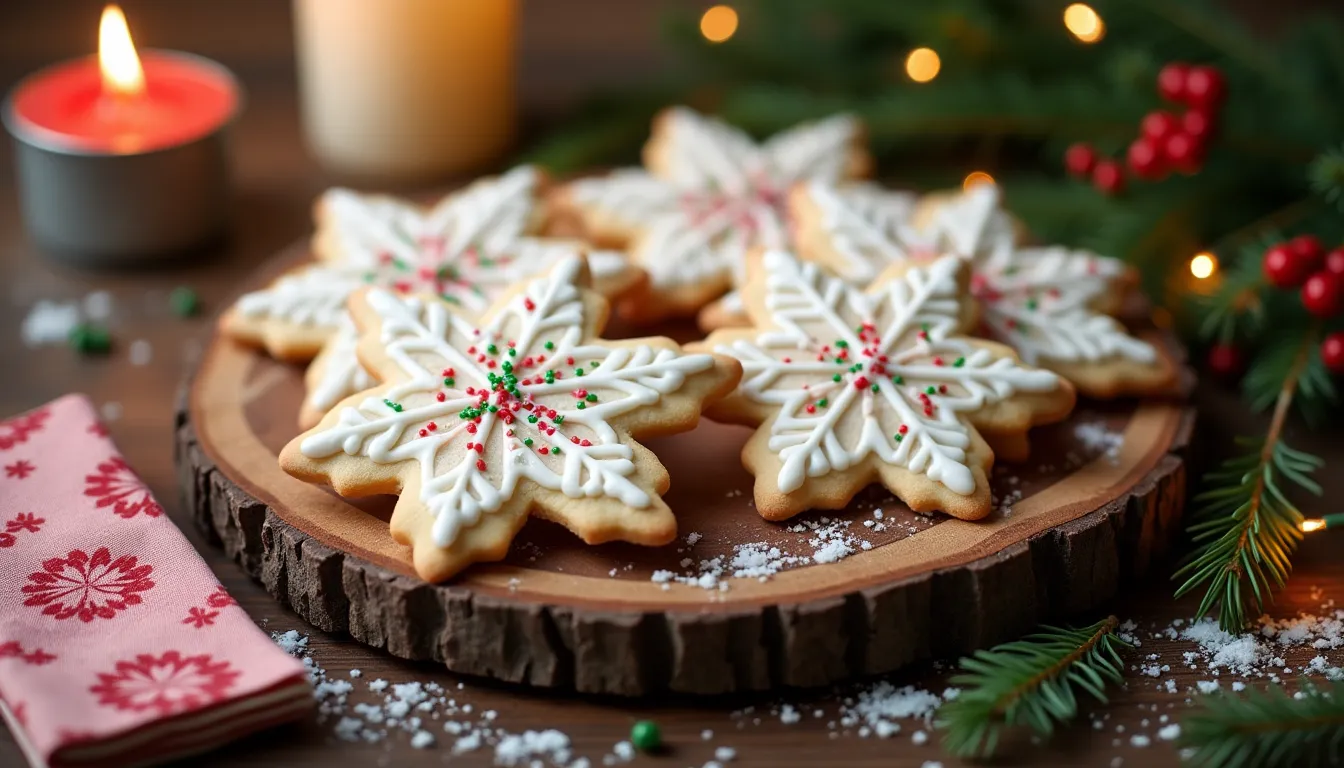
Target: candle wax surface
[65, 107]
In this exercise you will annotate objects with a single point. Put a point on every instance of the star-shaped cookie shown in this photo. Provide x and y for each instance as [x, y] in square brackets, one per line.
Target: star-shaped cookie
[467, 248]
[524, 410]
[1053, 305]
[706, 195]
[849, 387]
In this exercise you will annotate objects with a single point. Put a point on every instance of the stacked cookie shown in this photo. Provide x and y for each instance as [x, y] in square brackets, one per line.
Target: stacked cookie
[869, 336]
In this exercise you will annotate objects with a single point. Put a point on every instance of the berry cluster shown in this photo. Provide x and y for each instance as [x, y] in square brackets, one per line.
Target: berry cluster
[1167, 141]
[1303, 263]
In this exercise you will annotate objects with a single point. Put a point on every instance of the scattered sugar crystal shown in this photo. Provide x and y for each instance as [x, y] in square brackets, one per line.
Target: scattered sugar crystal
[918, 738]
[422, 740]
[788, 715]
[521, 748]
[1139, 740]
[140, 352]
[725, 754]
[49, 322]
[378, 686]
[1170, 732]
[706, 735]
[355, 673]
[1207, 686]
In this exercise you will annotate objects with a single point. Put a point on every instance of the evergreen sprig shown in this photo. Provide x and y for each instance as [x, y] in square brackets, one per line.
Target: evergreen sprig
[1029, 682]
[1326, 174]
[1267, 729]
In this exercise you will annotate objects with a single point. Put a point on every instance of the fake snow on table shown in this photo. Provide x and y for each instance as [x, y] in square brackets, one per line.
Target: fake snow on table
[820, 542]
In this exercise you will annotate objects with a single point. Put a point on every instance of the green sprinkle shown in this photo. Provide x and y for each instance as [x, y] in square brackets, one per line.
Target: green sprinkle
[822, 402]
[581, 405]
[493, 408]
[841, 343]
[592, 398]
[89, 339]
[836, 377]
[556, 450]
[1031, 304]
[899, 438]
[960, 361]
[186, 303]
[931, 391]
[394, 406]
[593, 365]
[527, 441]
[491, 348]
[874, 387]
[578, 371]
[560, 419]
[897, 379]
[549, 345]
[512, 353]
[550, 377]
[532, 419]
[646, 736]
[449, 382]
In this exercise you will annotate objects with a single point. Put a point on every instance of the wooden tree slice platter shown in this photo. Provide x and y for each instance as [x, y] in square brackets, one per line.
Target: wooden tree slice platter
[1099, 501]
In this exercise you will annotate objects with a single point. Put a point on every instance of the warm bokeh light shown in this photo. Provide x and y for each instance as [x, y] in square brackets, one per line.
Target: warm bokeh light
[922, 65]
[1308, 526]
[1161, 317]
[1084, 23]
[1203, 265]
[117, 59]
[975, 179]
[719, 23]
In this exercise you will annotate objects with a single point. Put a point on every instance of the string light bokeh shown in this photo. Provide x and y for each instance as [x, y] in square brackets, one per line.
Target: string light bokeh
[1084, 23]
[922, 65]
[718, 23]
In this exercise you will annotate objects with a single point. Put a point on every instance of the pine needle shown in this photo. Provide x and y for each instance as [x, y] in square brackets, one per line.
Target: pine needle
[1244, 526]
[1029, 682]
[1267, 729]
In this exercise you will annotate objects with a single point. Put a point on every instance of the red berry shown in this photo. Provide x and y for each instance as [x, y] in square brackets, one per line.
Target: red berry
[1334, 261]
[1197, 124]
[1144, 160]
[1171, 81]
[1080, 159]
[1308, 248]
[1158, 124]
[1182, 153]
[1204, 87]
[1282, 268]
[1323, 294]
[1108, 177]
[1332, 352]
[1226, 359]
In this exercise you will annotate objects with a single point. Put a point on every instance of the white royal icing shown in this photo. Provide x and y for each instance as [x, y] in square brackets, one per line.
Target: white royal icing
[720, 194]
[886, 349]
[1035, 299]
[459, 482]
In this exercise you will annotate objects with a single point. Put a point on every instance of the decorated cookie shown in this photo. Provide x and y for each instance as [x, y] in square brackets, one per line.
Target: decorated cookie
[849, 387]
[524, 410]
[707, 195]
[467, 249]
[1051, 304]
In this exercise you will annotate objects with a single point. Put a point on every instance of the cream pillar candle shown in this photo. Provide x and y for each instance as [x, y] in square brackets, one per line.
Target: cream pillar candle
[406, 88]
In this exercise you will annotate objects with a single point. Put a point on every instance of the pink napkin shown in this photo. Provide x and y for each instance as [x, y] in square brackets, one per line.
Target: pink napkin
[117, 644]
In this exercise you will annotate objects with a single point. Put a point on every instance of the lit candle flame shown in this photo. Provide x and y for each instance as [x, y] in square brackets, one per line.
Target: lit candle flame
[120, 66]
[975, 179]
[1308, 526]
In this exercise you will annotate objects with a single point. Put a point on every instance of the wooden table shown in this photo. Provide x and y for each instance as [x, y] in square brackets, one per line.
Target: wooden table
[276, 183]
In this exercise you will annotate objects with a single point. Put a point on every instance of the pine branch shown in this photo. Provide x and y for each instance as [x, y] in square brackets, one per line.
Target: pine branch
[1245, 529]
[1326, 174]
[1029, 682]
[1267, 729]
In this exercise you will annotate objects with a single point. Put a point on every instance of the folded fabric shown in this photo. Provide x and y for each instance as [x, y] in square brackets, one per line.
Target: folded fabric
[117, 644]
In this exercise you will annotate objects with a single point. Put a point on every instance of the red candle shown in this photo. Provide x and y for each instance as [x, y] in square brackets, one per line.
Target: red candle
[122, 157]
[68, 106]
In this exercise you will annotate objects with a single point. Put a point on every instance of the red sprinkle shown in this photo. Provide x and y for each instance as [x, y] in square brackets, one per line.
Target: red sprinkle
[424, 433]
[903, 429]
[471, 428]
[480, 464]
[432, 426]
[574, 439]
[440, 397]
[811, 408]
[543, 450]
[937, 361]
[531, 305]
[480, 448]
[584, 443]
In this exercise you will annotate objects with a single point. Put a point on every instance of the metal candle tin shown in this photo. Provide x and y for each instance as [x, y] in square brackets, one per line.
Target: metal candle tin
[110, 209]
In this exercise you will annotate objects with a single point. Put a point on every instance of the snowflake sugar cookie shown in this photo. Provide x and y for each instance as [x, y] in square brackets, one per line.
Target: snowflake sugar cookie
[467, 249]
[524, 410]
[1051, 304]
[709, 194]
[851, 387]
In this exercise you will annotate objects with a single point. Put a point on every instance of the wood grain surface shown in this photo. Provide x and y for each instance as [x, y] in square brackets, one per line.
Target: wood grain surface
[276, 183]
